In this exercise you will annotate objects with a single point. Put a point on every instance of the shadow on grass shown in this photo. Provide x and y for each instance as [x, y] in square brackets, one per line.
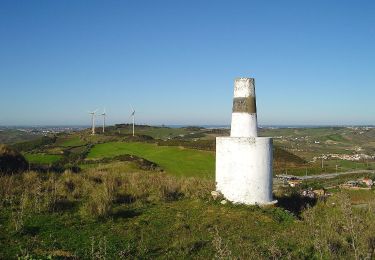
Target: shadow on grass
[124, 199]
[65, 205]
[125, 213]
[295, 203]
[30, 230]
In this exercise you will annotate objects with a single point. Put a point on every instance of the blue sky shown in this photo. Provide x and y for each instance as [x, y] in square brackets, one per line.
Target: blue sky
[175, 61]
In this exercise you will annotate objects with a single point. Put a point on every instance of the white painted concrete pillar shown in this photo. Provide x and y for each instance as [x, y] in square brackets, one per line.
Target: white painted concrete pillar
[244, 160]
[244, 117]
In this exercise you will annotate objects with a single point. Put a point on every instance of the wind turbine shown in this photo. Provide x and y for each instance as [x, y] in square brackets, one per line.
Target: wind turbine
[103, 114]
[93, 121]
[133, 116]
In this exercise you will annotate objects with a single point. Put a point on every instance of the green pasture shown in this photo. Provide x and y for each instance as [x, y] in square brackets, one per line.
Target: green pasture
[175, 160]
[42, 158]
[345, 165]
[68, 142]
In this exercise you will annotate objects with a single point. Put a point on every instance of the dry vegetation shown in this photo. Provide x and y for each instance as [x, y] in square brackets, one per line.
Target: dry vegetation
[97, 189]
[170, 217]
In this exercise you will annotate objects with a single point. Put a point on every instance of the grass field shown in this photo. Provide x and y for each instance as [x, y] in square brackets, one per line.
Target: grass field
[74, 141]
[114, 212]
[187, 227]
[42, 158]
[174, 160]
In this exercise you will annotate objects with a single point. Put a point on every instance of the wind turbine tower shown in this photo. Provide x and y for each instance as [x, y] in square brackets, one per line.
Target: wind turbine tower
[93, 121]
[104, 115]
[133, 117]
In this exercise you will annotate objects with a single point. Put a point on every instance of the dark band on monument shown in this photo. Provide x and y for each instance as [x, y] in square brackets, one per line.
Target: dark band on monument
[244, 104]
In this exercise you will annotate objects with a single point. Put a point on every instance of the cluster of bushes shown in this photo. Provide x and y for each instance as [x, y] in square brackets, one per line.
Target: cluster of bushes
[71, 156]
[218, 131]
[34, 144]
[137, 138]
[141, 163]
[11, 161]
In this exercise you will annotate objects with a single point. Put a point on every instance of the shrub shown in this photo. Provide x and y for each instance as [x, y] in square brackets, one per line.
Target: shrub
[72, 186]
[99, 201]
[11, 161]
[170, 190]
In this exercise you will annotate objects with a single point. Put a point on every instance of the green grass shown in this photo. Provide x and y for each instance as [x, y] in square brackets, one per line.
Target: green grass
[174, 160]
[182, 229]
[157, 216]
[345, 165]
[336, 138]
[75, 141]
[42, 158]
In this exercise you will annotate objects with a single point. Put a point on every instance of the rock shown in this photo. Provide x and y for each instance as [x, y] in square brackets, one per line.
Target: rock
[223, 202]
[215, 194]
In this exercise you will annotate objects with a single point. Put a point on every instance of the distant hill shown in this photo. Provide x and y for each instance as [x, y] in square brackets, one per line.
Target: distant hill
[34, 144]
[283, 157]
[12, 136]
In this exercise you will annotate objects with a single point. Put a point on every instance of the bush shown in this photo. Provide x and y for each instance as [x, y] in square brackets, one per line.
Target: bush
[99, 201]
[98, 204]
[11, 161]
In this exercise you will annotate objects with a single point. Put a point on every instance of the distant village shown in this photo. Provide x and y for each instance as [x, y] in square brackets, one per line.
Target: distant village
[348, 157]
[45, 130]
[294, 181]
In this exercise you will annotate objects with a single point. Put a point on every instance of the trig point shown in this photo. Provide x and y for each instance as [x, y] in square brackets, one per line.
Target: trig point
[244, 160]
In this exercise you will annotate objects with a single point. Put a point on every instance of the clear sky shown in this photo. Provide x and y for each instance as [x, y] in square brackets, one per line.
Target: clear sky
[175, 61]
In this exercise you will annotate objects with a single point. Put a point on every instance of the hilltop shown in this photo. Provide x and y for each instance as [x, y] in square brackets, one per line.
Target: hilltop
[115, 196]
[80, 149]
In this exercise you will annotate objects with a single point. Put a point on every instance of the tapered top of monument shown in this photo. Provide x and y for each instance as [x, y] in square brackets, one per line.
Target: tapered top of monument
[244, 87]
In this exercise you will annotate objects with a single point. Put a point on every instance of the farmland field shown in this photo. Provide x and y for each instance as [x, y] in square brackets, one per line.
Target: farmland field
[74, 141]
[42, 158]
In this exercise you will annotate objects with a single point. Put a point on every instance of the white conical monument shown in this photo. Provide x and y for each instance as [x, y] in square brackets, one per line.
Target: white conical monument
[244, 160]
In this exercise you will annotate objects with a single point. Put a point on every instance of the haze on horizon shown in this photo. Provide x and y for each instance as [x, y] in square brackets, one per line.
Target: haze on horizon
[175, 61]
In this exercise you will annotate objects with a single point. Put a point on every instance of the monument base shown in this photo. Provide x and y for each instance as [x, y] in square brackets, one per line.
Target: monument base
[244, 169]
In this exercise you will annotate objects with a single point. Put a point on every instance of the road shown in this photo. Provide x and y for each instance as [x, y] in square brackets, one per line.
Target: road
[327, 175]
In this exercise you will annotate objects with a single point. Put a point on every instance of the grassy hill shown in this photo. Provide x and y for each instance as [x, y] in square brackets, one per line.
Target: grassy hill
[11, 136]
[117, 211]
[180, 152]
[175, 160]
[115, 208]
